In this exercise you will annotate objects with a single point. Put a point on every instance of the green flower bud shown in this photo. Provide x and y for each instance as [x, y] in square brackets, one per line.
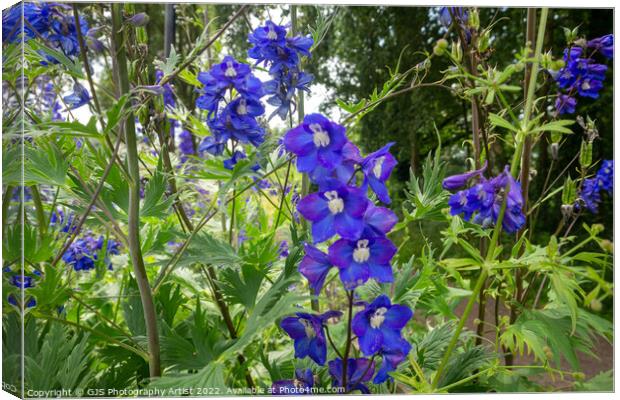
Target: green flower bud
[596, 305]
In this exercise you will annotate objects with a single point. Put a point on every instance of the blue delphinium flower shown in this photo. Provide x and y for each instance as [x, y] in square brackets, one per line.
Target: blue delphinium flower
[185, 144]
[282, 55]
[308, 333]
[603, 44]
[316, 142]
[21, 281]
[338, 208]
[302, 384]
[362, 259]
[283, 249]
[591, 188]
[77, 98]
[565, 104]
[483, 202]
[581, 74]
[212, 145]
[12, 299]
[460, 14]
[80, 255]
[359, 371]
[458, 181]
[379, 325]
[377, 168]
[392, 357]
[315, 266]
[229, 74]
[232, 161]
[378, 221]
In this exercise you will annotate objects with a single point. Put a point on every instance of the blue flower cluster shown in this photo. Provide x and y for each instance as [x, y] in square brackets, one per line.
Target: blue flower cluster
[22, 282]
[581, 74]
[341, 206]
[85, 251]
[282, 55]
[302, 384]
[483, 200]
[233, 118]
[591, 188]
[49, 21]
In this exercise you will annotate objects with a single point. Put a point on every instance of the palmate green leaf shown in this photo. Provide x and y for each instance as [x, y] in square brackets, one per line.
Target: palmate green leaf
[463, 364]
[426, 197]
[429, 351]
[11, 165]
[44, 164]
[566, 288]
[66, 355]
[206, 249]
[241, 286]
[155, 203]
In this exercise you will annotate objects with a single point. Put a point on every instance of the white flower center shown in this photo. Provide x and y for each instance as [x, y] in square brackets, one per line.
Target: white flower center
[230, 70]
[361, 252]
[335, 203]
[319, 136]
[310, 332]
[271, 34]
[585, 85]
[378, 167]
[376, 320]
[242, 108]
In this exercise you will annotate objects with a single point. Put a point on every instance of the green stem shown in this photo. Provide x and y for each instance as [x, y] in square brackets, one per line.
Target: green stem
[347, 348]
[135, 251]
[38, 207]
[514, 168]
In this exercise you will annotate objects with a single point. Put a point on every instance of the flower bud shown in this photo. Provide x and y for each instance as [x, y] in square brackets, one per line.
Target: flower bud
[557, 64]
[607, 245]
[457, 51]
[442, 44]
[597, 228]
[554, 149]
[474, 19]
[579, 376]
[585, 155]
[581, 42]
[596, 305]
[483, 42]
[138, 20]
[438, 51]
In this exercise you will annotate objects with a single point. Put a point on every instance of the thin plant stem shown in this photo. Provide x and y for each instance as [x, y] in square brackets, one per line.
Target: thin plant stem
[347, 348]
[135, 251]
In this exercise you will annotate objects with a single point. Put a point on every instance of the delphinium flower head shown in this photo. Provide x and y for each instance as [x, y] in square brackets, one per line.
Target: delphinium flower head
[53, 22]
[282, 55]
[377, 167]
[317, 142]
[308, 333]
[338, 208]
[379, 325]
[359, 371]
[77, 98]
[483, 200]
[604, 45]
[84, 252]
[591, 188]
[236, 120]
[362, 259]
[21, 281]
[301, 384]
[581, 74]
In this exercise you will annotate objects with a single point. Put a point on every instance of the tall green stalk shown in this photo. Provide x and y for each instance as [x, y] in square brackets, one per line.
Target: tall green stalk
[135, 251]
[514, 169]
